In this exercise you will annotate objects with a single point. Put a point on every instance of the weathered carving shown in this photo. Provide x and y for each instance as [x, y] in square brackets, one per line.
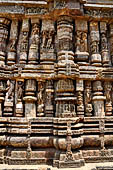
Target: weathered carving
[107, 93]
[56, 82]
[88, 99]
[40, 96]
[9, 98]
[80, 104]
[47, 55]
[9, 91]
[94, 44]
[30, 98]
[81, 44]
[98, 99]
[33, 10]
[24, 41]
[34, 44]
[104, 44]
[19, 97]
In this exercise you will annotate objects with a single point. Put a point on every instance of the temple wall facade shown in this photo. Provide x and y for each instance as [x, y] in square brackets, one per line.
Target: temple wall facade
[56, 82]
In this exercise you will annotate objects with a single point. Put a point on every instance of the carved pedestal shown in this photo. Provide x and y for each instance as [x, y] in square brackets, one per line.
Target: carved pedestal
[70, 154]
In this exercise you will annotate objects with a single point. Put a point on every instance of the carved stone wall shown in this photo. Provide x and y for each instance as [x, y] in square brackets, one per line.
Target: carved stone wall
[56, 82]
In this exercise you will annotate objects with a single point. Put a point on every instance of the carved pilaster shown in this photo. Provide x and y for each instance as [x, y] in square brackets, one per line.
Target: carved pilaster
[111, 42]
[104, 44]
[94, 44]
[24, 41]
[30, 98]
[81, 45]
[40, 98]
[66, 65]
[98, 99]
[80, 103]
[11, 56]
[108, 101]
[34, 42]
[49, 95]
[47, 55]
[88, 98]
[4, 25]
[19, 108]
[2, 95]
[9, 98]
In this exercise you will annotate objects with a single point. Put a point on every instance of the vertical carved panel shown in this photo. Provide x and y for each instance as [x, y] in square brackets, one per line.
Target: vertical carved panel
[94, 43]
[11, 57]
[80, 103]
[108, 101]
[40, 99]
[30, 99]
[49, 95]
[98, 99]
[19, 90]
[4, 25]
[9, 98]
[65, 99]
[47, 55]
[88, 98]
[81, 46]
[34, 42]
[104, 44]
[24, 41]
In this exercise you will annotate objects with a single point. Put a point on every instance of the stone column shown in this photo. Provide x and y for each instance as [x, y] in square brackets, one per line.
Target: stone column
[80, 99]
[94, 44]
[104, 44]
[24, 41]
[34, 42]
[4, 26]
[66, 68]
[30, 98]
[12, 47]
[81, 52]
[98, 99]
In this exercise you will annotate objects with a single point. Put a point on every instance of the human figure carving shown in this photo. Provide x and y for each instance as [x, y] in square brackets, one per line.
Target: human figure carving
[10, 91]
[35, 35]
[20, 90]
